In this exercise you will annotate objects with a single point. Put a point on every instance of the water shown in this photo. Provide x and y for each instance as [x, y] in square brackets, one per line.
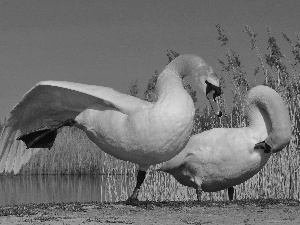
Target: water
[48, 189]
[102, 188]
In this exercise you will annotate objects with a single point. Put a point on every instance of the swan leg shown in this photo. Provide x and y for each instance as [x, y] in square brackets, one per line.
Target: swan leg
[199, 193]
[230, 193]
[44, 137]
[197, 180]
[133, 199]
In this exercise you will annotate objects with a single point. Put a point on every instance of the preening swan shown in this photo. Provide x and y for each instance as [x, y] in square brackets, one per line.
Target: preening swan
[223, 157]
[123, 126]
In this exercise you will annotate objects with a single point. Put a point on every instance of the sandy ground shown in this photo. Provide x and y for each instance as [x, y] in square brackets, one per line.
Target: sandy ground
[236, 212]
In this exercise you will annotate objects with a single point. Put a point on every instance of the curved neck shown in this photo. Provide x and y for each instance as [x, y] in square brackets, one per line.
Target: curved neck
[268, 114]
[182, 66]
[259, 120]
[174, 105]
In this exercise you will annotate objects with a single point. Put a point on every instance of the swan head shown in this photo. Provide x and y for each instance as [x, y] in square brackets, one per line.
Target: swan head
[208, 82]
[212, 92]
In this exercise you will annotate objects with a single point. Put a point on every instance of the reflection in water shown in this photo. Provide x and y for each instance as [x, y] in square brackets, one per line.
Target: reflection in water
[46, 189]
[157, 186]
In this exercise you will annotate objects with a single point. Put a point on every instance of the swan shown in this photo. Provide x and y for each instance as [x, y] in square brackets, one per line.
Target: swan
[223, 157]
[121, 125]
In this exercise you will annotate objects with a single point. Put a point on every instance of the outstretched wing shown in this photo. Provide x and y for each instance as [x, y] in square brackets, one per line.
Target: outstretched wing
[48, 103]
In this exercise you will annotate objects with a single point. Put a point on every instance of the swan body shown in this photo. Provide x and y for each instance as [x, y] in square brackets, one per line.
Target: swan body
[123, 126]
[223, 157]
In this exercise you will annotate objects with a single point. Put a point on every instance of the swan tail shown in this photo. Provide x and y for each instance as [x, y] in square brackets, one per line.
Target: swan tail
[44, 137]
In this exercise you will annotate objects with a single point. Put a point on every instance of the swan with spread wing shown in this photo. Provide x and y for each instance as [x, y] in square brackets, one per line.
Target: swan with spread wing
[223, 157]
[123, 126]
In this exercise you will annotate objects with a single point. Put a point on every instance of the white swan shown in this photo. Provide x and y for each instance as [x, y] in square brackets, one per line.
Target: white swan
[223, 157]
[123, 126]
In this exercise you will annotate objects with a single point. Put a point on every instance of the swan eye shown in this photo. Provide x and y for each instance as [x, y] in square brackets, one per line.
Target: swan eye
[210, 87]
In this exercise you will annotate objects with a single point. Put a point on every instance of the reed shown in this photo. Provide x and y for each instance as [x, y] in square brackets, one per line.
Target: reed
[74, 153]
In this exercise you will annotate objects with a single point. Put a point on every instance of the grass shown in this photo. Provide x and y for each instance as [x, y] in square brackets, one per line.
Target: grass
[73, 153]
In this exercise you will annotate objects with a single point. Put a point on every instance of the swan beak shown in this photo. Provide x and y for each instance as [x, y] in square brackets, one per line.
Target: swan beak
[214, 103]
[263, 145]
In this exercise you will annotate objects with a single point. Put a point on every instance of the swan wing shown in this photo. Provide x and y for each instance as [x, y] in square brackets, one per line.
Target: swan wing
[48, 103]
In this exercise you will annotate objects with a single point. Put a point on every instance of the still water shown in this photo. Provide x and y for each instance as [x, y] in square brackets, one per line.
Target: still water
[46, 189]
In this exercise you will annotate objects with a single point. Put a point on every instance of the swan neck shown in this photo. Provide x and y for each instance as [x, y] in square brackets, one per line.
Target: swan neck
[168, 79]
[259, 120]
[176, 70]
[267, 113]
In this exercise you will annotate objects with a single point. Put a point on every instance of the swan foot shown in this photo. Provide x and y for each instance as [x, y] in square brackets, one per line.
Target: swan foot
[44, 137]
[133, 199]
[230, 193]
[263, 145]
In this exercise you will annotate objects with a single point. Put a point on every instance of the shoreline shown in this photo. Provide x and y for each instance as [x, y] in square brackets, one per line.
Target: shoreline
[259, 211]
